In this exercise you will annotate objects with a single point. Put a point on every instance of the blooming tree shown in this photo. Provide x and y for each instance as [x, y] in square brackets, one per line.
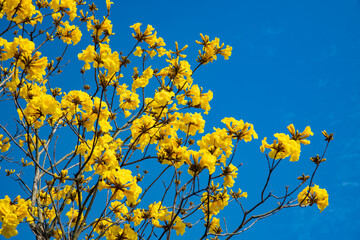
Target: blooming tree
[99, 183]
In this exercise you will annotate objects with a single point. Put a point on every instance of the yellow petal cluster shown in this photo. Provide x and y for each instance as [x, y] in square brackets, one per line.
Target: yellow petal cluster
[211, 49]
[314, 195]
[11, 214]
[4, 143]
[69, 33]
[20, 11]
[285, 145]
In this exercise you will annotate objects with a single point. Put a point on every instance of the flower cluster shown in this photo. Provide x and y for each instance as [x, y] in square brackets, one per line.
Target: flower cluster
[22, 51]
[286, 145]
[20, 11]
[4, 143]
[159, 217]
[69, 33]
[12, 213]
[314, 195]
[214, 201]
[211, 49]
[105, 58]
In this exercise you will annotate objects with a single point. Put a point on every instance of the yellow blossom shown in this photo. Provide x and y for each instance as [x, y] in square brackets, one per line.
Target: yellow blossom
[211, 49]
[73, 215]
[129, 100]
[69, 33]
[300, 137]
[141, 81]
[214, 227]
[240, 130]
[68, 6]
[138, 51]
[119, 209]
[192, 123]
[218, 143]
[21, 11]
[163, 97]
[142, 131]
[12, 213]
[315, 195]
[115, 232]
[229, 173]
[4, 143]
[39, 107]
[285, 145]
[215, 201]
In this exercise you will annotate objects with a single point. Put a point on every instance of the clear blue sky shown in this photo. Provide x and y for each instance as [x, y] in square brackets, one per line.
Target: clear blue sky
[293, 62]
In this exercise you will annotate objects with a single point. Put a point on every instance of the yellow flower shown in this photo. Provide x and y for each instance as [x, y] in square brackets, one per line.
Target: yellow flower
[211, 49]
[300, 137]
[178, 52]
[73, 100]
[57, 233]
[8, 231]
[142, 81]
[108, 4]
[240, 130]
[285, 145]
[192, 123]
[34, 66]
[63, 5]
[316, 195]
[207, 161]
[39, 107]
[87, 56]
[73, 215]
[69, 33]
[328, 137]
[102, 225]
[115, 232]
[63, 176]
[137, 217]
[45, 198]
[201, 160]
[25, 163]
[214, 227]
[20, 45]
[105, 58]
[32, 90]
[4, 143]
[229, 173]
[148, 36]
[100, 28]
[119, 209]
[128, 100]
[200, 99]
[215, 201]
[238, 194]
[217, 143]
[292, 148]
[179, 226]
[143, 131]
[132, 194]
[138, 51]
[136, 28]
[179, 72]
[163, 97]
[12, 213]
[122, 184]
[21, 11]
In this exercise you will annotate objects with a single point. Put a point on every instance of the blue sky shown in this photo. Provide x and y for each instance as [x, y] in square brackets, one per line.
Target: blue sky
[293, 62]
